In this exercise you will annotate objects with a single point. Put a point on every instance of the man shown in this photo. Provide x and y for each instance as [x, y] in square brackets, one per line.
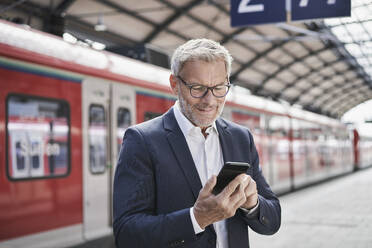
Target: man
[167, 166]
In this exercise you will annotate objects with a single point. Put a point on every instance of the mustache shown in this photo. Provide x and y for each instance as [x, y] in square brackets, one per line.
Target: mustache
[205, 106]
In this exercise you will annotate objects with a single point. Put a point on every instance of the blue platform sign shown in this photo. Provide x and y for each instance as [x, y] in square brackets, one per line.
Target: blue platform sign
[314, 9]
[247, 12]
[251, 12]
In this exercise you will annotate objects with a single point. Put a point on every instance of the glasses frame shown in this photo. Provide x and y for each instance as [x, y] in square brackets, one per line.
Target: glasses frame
[190, 86]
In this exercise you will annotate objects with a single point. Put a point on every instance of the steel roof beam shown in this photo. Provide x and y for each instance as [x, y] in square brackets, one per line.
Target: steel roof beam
[140, 18]
[324, 91]
[339, 94]
[308, 74]
[35, 10]
[346, 108]
[310, 52]
[312, 108]
[252, 61]
[346, 100]
[343, 98]
[340, 109]
[30, 8]
[343, 24]
[125, 11]
[43, 13]
[62, 7]
[261, 86]
[227, 38]
[331, 96]
[110, 39]
[284, 67]
[178, 13]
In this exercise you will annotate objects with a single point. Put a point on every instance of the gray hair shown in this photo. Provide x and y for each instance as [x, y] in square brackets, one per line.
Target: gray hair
[200, 49]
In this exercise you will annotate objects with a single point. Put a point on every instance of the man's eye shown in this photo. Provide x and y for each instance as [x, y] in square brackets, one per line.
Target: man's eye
[198, 88]
[221, 87]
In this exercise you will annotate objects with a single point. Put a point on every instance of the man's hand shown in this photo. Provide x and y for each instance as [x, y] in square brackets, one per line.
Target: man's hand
[210, 208]
[251, 194]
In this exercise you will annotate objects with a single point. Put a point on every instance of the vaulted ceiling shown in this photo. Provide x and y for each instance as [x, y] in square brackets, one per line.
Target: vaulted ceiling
[302, 63]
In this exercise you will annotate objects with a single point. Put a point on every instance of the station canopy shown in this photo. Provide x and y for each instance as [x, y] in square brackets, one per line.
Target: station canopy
[324, 66]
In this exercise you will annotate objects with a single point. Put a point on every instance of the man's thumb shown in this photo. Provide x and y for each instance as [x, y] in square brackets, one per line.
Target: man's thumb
[209, 185]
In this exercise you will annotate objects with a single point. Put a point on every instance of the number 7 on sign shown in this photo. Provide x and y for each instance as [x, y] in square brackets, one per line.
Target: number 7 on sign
[304, 3]
[244, 8]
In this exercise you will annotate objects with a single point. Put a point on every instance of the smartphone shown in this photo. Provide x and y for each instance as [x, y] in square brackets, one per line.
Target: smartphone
[228, 172]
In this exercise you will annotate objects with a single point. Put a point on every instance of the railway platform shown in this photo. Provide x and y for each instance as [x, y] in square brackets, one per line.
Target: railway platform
[337, 213]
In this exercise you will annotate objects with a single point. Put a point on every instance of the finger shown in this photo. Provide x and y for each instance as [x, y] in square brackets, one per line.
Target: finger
[238, 198]
[231, 187]
[251, 188]
[246, 181]
[209, 185]
[250, 180]
[251, 183]
[240, 202]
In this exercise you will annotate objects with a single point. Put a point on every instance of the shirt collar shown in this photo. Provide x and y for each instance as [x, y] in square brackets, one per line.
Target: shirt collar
[185, 124]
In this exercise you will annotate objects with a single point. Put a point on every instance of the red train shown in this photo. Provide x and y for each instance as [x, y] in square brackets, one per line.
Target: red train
[64, 109]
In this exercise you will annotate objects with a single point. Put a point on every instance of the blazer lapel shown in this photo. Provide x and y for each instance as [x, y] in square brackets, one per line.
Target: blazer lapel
[182, 153]
[225, 140]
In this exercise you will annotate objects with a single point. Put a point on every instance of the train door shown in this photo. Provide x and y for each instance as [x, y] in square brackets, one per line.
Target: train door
[96, 95]
[108, 109]
[122, 105]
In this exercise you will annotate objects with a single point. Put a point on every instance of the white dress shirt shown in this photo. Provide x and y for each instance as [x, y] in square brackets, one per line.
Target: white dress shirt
[207, 155]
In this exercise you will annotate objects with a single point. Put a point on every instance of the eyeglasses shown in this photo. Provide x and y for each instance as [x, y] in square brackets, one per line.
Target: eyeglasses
[199, 91]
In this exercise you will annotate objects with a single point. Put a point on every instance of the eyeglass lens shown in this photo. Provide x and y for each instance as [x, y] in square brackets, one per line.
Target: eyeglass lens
[200, 91]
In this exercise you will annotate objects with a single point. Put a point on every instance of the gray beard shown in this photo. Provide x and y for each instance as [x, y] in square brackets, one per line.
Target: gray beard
[187, 111]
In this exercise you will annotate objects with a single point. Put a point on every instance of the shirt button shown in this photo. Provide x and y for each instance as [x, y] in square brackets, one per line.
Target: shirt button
[265, 221]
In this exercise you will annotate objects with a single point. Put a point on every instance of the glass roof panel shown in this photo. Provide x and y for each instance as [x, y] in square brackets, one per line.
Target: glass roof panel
[356, 32]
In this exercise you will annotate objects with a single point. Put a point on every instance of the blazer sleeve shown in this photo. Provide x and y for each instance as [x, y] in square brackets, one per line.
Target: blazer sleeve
[268, 219]
[136, 223]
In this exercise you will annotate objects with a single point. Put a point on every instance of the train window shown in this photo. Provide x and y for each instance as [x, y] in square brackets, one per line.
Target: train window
[296, 128]
[37, 137]
[97, 139]
[277, 126]
[151, 115]
[124, 120]
[248, 119]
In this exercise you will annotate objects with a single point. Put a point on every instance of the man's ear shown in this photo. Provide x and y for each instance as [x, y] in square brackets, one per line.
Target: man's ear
[173, 83]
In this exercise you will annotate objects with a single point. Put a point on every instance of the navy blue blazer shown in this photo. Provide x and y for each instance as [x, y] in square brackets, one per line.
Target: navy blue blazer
[156, 183]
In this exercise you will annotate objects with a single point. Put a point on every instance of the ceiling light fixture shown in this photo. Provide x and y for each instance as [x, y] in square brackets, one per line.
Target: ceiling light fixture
[100, 26]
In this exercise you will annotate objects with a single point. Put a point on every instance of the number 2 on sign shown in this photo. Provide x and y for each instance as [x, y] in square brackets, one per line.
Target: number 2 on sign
[304, 3]
[244, 8]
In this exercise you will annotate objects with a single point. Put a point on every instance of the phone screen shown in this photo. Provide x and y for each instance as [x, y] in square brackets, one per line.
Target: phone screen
[228, 172]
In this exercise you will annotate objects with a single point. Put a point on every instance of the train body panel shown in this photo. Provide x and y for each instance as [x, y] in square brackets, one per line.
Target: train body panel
[41, 160]
[362, 149]
[65, 109]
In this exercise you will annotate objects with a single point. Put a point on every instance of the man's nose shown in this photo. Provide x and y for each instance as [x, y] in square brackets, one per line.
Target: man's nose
[208, 97]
